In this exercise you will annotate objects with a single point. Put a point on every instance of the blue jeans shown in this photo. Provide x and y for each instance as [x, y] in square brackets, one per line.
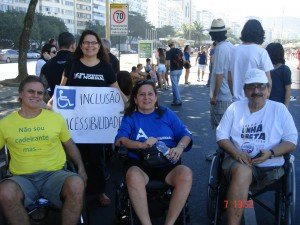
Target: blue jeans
[175, 77]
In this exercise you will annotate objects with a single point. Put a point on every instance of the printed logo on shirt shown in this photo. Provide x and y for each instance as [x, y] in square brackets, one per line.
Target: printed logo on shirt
[253, 132]
[88, 76]
[141, 134]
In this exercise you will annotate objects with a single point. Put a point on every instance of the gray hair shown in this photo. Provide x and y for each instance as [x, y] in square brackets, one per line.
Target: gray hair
[105, 43]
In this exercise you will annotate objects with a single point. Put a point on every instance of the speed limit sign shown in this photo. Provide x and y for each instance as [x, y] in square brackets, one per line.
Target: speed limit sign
[118, 19]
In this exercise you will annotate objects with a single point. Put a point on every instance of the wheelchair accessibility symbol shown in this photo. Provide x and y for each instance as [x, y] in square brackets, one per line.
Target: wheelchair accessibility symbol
[65, 98]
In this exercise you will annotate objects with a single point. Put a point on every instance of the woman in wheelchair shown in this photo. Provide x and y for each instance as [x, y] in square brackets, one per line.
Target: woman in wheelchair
[144, 124]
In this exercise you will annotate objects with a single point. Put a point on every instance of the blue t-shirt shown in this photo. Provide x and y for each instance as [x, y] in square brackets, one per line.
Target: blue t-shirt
[167, 128]
[187, 56]
[281, 77]
[202, 58]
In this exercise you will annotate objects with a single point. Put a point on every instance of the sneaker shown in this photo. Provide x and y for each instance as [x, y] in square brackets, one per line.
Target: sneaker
[209, 157]
[187, 83]
[176, 104]
[198, 80]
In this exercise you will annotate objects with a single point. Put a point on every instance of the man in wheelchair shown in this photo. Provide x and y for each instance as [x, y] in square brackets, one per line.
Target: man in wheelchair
[144, 125]
[38, 141]
[255, 133]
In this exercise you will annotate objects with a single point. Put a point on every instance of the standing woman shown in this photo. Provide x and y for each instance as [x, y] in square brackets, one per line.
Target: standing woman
[91, 57]
[161, 68]
[281, 75]
[187, 63]
[48, 52]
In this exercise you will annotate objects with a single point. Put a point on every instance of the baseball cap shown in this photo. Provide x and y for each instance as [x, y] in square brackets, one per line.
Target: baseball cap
[256, 76]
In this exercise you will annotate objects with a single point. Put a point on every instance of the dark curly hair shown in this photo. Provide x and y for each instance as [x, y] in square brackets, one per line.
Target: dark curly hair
[253, 32]
[276, 53]
[102, 53]
[218, 36]
[131, 107]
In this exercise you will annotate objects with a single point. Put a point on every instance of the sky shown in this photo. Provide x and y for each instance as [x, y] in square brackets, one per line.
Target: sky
[238, 9]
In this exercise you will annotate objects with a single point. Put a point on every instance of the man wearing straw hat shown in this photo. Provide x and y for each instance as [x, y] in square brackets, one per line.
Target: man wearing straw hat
[220, 96]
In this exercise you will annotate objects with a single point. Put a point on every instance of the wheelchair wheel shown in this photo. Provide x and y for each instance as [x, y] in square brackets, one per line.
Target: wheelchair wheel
[215, 192]
[289, 197]
[121, 205]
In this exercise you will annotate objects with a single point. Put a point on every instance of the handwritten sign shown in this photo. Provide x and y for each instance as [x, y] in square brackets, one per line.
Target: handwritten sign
[93, 114]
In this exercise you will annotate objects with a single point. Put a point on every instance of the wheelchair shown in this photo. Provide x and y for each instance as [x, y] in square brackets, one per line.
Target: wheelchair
[39, 211]
[158, 196]
[284, 189]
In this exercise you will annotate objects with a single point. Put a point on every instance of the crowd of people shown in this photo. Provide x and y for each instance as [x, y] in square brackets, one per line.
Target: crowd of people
[249, 95]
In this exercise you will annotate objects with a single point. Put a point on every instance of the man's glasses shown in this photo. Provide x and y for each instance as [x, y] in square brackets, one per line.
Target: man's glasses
[32, 92]
[252, 87]
[93, 43]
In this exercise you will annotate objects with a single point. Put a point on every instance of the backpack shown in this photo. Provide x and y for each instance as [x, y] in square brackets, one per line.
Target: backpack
[178, 59]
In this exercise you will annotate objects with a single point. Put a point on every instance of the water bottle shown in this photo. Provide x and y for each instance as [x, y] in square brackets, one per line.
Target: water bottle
[161, 146]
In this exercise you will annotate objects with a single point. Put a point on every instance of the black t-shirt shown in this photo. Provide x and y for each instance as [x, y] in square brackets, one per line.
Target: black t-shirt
[173, 55]
[54, 69]
[281, 77]
[114, 62]
[78, 74]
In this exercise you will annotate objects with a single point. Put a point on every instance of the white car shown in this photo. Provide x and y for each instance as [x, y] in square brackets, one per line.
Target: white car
[33, 55]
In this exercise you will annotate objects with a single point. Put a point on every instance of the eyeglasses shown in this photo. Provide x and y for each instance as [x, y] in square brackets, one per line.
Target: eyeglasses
[54, 52]
[252, 87]
[32, 92]
[90, 43]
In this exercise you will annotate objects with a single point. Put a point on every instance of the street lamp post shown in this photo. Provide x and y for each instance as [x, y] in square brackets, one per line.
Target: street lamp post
[107, 24]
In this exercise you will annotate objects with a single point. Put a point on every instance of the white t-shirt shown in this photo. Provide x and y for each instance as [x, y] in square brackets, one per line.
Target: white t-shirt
[245, 57]
[38, 67]
[221, 65]
[260, 130]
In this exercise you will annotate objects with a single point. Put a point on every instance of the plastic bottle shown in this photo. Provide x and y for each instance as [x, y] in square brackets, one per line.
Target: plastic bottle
[161, 146]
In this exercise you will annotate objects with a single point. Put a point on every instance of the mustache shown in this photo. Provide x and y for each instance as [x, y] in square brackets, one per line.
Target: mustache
[256, 95]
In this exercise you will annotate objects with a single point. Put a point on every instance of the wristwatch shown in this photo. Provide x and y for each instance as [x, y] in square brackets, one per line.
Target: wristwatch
[272, 154]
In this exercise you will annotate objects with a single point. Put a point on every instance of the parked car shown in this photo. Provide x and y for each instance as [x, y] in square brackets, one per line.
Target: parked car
[33, 55]
[114, 51]
[9, 55]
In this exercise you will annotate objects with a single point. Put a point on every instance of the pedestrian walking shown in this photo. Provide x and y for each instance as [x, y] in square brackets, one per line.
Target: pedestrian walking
[187, 63]
[202, 62]
[175, 57]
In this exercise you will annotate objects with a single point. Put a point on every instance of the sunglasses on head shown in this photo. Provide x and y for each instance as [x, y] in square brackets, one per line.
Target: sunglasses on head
[142, 82]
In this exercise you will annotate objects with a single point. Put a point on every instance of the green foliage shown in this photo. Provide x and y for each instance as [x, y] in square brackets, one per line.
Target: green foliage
[165, 31]
[137, 25]
[44, 27]
[232, 38]
[95, 26]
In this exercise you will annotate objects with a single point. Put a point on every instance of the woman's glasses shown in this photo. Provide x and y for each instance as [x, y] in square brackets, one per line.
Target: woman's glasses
[54, 52]
[93, 43]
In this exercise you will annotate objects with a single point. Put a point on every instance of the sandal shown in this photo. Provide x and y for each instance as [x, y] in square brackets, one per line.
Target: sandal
[104, 200]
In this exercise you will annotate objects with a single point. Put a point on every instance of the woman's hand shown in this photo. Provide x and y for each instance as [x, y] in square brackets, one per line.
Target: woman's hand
[150, 142]
[175, 153]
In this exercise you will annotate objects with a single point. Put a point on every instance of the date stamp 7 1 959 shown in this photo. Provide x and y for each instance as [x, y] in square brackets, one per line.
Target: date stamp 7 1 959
[240, 204]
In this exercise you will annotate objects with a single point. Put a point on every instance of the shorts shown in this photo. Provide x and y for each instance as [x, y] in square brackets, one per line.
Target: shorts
[217, 111]
[161, 69]
[201, 67]
[153, 173]
[261, 176]
[42, 184]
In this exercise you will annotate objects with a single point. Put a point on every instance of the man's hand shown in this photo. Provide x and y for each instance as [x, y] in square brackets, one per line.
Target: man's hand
[265, 154]
[213, 101]
[242, 157]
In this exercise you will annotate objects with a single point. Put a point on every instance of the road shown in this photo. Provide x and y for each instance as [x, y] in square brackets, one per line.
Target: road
[195, 114]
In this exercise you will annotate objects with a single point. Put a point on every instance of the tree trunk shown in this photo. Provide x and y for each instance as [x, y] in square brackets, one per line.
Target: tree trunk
[24, 40]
